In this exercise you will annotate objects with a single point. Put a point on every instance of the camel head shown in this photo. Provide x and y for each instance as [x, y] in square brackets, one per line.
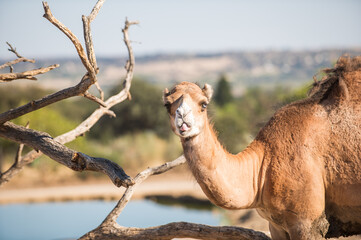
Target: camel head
[187, 104]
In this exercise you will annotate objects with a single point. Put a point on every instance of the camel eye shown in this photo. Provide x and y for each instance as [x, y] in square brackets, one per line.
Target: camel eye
[204, 106]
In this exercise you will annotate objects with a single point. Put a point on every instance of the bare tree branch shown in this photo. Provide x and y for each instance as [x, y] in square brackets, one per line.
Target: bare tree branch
[110, 113]
[7, 77]
[13, 62]
[81, 128]
[94, 98]
[18, 154]
[88, 38]
[60, 153]
[175, 230]
[79, 48]
[20, 150]
[13, 50]
[95, 10]
[89, 42]
[17, 158]
[40, 103]
[17, 167]
[114, 214]
[100, 90]
[131, 62]
[109, 229]
[78, 90]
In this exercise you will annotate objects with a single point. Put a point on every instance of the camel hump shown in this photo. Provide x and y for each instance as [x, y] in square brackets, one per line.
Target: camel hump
[341, 83]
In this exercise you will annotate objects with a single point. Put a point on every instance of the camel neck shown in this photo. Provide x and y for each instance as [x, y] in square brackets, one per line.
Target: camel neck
[230, 181]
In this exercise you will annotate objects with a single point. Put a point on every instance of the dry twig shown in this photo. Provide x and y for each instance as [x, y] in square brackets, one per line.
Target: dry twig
[20, 150]
[60, 153]
[13, 50]
[13, 62]
[79, 48]
[131, 62]
[100, 90]
[89, 42]
[7, 77]
[95, 99]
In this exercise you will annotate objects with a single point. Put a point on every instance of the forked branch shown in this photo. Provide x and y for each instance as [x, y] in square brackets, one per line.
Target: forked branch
[78, 90]
[74, 160]
[94, 98]
[85, 126]
[18, 60]
[7, 77]
[79, 48]
[89, 42]
[13, 50]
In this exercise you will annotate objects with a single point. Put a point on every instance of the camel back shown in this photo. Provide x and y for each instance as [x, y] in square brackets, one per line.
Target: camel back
[343, 82]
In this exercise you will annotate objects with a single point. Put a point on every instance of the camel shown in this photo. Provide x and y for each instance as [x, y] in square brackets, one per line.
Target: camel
[302, 172]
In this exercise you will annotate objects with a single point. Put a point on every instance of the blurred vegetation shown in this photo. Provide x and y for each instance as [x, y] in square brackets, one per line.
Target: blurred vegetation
[239, 121]
[145, 112]
[141, 136]
[223, 93]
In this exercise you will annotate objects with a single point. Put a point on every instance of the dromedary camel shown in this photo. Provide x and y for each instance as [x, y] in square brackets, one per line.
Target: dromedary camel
[303, 170]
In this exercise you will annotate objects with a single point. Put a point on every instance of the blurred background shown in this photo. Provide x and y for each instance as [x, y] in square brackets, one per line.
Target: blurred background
[257, 55]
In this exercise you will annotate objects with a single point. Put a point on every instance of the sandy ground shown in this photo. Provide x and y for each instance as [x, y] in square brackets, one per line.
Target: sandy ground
[105, 190]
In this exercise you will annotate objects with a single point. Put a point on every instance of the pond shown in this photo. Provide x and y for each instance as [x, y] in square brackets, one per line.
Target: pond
[70, 220]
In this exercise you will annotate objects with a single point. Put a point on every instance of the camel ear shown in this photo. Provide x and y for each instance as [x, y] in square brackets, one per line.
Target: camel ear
[208, 91]
[165, 95]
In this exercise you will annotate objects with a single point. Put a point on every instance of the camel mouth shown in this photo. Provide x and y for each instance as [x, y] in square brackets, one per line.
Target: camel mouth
[184, 127]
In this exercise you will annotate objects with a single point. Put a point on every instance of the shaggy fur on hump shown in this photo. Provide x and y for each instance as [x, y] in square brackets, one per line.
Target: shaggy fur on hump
[346, 75]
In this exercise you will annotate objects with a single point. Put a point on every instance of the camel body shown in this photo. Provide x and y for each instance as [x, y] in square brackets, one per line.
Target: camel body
[314, 179]
[303, 170]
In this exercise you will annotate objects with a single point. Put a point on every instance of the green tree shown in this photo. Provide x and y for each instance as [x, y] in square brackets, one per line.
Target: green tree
[145, 112]
[239, 121]
[13, 96]
[223, 93]
[231, 127]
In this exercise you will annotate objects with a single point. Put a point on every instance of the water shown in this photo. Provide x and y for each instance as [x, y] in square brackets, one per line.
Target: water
[69, 220]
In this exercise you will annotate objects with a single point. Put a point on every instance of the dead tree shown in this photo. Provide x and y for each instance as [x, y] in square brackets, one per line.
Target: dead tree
[43, 143]
[54, 147]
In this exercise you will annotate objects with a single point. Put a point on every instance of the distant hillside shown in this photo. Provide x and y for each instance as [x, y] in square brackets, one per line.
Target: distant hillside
[244, 69]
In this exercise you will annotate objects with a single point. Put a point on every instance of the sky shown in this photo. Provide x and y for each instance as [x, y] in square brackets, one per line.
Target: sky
[187, 26]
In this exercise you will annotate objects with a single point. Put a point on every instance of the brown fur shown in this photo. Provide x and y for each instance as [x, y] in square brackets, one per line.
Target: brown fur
[302, 172]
